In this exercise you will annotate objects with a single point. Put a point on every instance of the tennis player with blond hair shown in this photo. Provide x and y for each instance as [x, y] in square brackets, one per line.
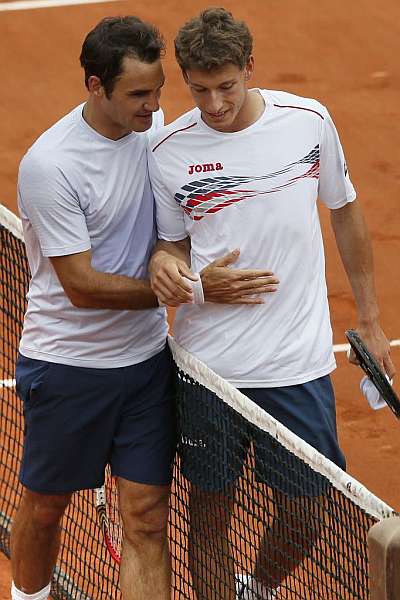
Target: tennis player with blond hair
[244, 169]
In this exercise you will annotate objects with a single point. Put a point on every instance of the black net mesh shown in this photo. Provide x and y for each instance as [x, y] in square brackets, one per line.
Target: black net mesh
[252, 518]
[249, 518]
[84, 570]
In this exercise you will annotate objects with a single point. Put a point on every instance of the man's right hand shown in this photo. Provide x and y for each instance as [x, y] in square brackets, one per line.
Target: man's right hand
[225, 285]
[167, 274]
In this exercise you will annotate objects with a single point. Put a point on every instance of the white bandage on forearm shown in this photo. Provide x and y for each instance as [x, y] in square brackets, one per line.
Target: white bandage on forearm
[197, 289]
[373, 396]
[40, 595]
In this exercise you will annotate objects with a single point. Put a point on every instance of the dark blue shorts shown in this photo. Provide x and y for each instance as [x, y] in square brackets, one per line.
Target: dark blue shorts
[79, 419]
[214, 440]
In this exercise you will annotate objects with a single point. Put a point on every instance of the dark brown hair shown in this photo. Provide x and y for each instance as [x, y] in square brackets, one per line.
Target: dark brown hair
[106, 46]
[213, 39]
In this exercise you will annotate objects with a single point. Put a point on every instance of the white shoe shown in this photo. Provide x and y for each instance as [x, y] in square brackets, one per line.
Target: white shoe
[248, 588]
[241, 580]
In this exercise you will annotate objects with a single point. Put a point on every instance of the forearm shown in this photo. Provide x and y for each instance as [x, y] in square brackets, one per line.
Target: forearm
[116, 292]
[88, 288]
[354, 245]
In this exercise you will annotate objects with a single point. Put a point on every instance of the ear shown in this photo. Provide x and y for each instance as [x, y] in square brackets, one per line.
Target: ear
[249, 68]
[94, 86]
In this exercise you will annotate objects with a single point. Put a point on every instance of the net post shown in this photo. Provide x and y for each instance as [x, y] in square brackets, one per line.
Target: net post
[384, 559]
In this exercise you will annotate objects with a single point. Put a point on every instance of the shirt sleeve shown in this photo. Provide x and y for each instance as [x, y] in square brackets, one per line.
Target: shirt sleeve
[48, 202]
[170, 216]
[335, 188]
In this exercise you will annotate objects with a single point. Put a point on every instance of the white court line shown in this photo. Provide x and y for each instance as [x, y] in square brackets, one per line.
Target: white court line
[336, 348]
[345, 347]
[29, 4]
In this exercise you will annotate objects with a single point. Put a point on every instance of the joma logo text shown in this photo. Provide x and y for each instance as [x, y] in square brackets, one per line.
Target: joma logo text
[205, 168]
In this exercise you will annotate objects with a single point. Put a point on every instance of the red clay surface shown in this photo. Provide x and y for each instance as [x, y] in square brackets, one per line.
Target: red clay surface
[343, 53]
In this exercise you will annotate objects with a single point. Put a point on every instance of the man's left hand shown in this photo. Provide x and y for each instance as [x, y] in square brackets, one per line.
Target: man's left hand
[378, 344]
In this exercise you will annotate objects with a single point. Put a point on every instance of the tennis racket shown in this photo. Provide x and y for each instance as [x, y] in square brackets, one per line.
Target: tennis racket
[108, 515]
[372, 369]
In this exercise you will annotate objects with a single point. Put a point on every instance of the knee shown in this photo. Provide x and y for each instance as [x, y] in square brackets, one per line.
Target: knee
[45, 511]
[146, 520]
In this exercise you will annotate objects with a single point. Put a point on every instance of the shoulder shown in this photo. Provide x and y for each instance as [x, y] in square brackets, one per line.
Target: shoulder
[175, 130]
[291, 102]
[38, 164]
[51, 145]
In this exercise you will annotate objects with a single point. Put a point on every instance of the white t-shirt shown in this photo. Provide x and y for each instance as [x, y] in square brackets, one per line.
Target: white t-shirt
[78, 190]
[255, 190]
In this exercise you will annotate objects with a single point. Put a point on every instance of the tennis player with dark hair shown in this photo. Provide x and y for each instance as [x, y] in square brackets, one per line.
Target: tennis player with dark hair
[244, 169]
[93, 372]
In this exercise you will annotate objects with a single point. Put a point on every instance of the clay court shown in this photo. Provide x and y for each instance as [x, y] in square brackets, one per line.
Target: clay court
[343, 53]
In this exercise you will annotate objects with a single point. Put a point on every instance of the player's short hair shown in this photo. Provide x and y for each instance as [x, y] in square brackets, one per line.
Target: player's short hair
[114, 38]
[213, 39]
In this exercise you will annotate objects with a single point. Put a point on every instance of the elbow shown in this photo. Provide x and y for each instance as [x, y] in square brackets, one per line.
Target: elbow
[78, 301]
[78, 298]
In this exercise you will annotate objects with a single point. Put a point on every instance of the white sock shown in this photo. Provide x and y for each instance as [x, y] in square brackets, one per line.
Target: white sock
[40, 595]
[255, 589]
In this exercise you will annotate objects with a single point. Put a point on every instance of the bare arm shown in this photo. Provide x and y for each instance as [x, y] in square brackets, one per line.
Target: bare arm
[222, 284]
[88, 288]
[355, 249]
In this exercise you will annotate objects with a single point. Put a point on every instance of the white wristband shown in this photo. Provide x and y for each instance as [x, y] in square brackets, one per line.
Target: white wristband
[373, 396]
[197, 289]
[370, 392]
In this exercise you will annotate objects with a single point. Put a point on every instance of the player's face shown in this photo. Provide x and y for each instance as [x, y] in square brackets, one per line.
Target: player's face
[222, 96]
[135, 97]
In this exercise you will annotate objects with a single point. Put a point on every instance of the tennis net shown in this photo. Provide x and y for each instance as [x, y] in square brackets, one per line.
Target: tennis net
[255, 512]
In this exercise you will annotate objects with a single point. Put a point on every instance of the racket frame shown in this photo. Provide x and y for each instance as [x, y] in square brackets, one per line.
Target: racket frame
[103, 520]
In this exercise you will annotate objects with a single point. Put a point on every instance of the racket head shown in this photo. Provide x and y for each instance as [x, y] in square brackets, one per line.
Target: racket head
[372, 369]
[109, 517]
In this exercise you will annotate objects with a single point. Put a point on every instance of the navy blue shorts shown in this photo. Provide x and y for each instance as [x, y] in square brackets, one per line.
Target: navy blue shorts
[79, 419]
[215, 440]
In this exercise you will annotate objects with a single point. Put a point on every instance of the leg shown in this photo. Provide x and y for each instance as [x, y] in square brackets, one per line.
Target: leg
[68, 413]
[210, 560]
[145, 565]
[35, 539]
[309, 411]
[289, 541]
[212, 449]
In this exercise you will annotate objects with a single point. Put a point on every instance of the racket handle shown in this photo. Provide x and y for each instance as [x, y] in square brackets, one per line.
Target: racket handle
[100, 496]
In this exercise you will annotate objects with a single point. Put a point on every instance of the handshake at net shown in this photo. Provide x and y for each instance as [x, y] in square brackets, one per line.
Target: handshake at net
[174, 283]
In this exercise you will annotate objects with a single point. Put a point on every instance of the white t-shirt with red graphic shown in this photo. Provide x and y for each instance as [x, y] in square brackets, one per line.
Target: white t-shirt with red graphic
[255, 190]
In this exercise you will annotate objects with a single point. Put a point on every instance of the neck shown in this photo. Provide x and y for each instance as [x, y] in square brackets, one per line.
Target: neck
[101, 122]
[252, 109]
